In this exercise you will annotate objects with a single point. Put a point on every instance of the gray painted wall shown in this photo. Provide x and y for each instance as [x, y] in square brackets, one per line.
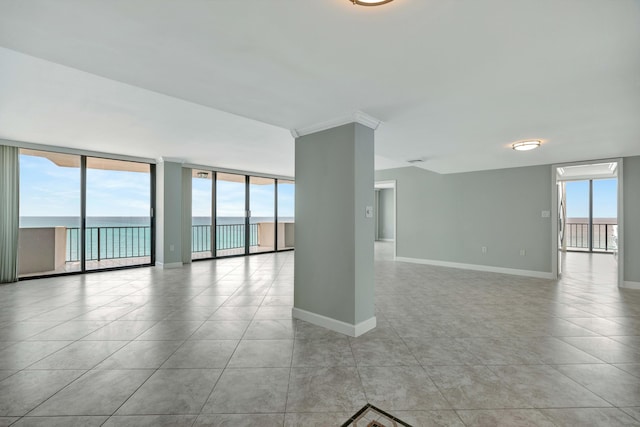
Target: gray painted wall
[385, 214]
[451, 217]
[631, 191]
[169, 212]
[187, 183]
[334, 240]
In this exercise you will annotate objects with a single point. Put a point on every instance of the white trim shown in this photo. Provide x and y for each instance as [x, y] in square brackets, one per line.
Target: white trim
[477, 267]
[333, 324]
[169, 265]
[74, 151]
[357, 117]
[387, 240]
[556, 267]
[630, 285]
[554, 213]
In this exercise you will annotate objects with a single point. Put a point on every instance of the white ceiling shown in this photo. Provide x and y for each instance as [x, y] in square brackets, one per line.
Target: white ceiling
[454, 82]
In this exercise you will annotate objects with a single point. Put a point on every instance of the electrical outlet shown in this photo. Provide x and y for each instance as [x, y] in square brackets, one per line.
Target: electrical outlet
[523, 252]
[484, 249]
[172, 248]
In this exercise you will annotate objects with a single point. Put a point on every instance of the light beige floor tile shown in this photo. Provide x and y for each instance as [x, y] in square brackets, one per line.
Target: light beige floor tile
[401, 388]
[504, 418]
[616, 386]
[587, 417]
[172, 392]
[249, 390]
[322, 352]
[262, 354]
[239, 420]
[336, 389]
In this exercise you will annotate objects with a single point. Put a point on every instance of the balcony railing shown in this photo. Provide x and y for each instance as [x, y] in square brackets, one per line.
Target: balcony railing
[109, 243]
[128, 242]
[228, 236]
[577, 236]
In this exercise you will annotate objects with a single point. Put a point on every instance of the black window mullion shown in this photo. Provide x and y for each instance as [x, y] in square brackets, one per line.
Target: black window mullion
[214, 222]
[83, 213]
[247, 219]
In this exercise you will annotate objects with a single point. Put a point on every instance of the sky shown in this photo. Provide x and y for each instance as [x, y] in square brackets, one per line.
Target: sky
[50, 190]
[231, 199]
[605, 196]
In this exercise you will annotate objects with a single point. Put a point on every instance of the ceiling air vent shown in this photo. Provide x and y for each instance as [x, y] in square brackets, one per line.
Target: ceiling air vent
[414, 161]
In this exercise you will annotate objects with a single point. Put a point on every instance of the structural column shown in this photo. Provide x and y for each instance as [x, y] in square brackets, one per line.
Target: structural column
[334, 228]
[169, 213]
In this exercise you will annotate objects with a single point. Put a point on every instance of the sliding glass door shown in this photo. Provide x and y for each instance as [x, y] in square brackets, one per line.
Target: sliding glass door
[231, 214]
[118, 207]
[286, 208]
[262, 205]
[202, 184]
[234, 214]
[80, 213]
[604, 201]
[591, 207]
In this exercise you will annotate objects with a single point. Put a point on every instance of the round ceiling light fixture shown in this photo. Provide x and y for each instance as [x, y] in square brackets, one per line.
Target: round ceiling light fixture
[526, 145]
[370, 2]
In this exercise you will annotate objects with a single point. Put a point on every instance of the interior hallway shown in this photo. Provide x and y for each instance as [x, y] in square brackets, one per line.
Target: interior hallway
[213, 343]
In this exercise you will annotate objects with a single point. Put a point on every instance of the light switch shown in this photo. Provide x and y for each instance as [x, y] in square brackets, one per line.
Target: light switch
[546, 214]
[368, 212]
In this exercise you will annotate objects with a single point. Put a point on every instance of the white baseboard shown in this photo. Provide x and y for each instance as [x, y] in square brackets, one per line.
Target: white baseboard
[631, 285]
[386, 240]
[477, 267]
[169, 265]
[333, 324]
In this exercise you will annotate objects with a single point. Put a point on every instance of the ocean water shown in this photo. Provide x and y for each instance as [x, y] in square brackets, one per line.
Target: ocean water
[123, 237]
[123, 221]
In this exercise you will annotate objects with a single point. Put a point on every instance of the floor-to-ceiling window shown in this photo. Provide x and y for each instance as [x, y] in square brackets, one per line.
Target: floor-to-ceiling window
[286, 208]
[82, 213]
[240, 214]
[202, 184]
[50, 213]
[118, 213]
[262, 205]
[591, 214]
[231, 214]
[604, 200]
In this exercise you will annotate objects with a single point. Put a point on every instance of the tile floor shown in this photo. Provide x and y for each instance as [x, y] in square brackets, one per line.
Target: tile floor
[213, 344]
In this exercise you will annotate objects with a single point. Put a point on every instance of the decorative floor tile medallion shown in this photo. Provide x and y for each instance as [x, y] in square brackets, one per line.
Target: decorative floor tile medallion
[370, 416]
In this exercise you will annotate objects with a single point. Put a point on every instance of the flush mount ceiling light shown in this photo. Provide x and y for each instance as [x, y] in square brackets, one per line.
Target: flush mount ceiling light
[526, 145]
[370, 2]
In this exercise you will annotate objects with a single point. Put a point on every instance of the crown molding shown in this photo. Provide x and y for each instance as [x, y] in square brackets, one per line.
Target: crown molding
[357, 117]
[170, 159]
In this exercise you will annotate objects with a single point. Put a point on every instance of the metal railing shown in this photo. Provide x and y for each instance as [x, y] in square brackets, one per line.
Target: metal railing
[109, 243]
[135, 241]
[228, 236]
[577, 236]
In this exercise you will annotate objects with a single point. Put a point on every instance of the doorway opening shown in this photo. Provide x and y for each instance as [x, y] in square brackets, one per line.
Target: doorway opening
[587, 234]
[385, 219]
